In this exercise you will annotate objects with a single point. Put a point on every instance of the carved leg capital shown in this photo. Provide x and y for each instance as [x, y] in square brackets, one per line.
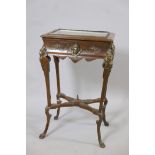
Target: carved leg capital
[109, 56]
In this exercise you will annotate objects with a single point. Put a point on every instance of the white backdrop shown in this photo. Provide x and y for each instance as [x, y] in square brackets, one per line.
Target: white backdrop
[75, 131]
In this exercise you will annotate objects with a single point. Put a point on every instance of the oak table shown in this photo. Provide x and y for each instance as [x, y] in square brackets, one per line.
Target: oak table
[77, 45]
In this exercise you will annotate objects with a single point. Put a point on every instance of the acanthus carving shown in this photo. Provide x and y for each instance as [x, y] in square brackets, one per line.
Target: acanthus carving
[44, 59]
[43, 51]
[109, 56]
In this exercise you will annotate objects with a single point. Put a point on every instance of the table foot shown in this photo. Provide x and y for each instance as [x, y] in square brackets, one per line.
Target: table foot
[98, 122]
[106, 123]
[48, 117]
[102, 145]
[58, 110]
[42, 136]
[56, 117]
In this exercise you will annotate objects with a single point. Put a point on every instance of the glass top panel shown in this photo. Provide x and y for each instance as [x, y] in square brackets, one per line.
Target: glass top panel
[82, 33]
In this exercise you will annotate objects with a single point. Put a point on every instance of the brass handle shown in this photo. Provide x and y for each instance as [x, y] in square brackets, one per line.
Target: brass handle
[75, 49]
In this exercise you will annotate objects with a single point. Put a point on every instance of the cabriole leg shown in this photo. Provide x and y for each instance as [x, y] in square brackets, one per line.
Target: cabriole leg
[107, 69]
[44, 60]
[56, 61]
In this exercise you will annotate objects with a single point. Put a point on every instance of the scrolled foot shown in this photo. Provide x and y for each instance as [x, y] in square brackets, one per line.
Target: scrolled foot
[106, 123]
[98, 122]
[56, 117]
[58, 110]
[102, 145]
[48, 117]
[42, 136]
